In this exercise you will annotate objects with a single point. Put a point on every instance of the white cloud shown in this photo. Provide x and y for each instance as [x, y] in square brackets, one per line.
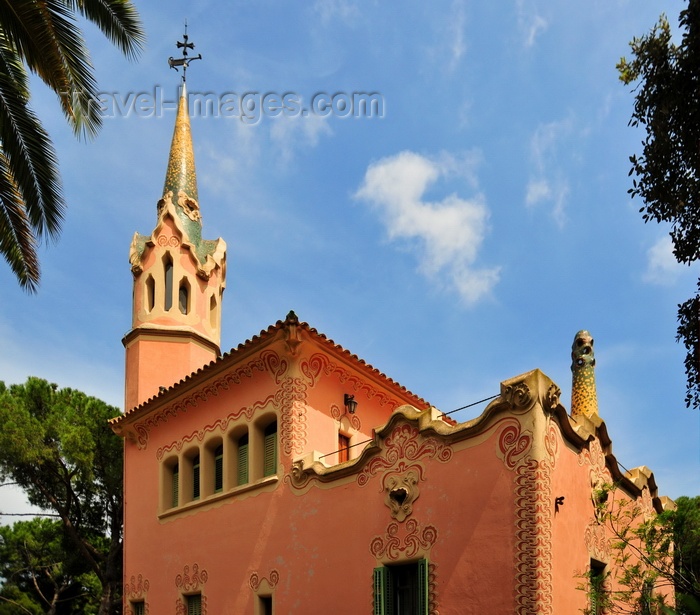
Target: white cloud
[530, 23]
[662, 267]
[547, 183]
[449, 232]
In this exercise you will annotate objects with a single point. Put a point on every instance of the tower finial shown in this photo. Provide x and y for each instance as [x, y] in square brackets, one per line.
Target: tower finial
[184, 61]
[584, 399]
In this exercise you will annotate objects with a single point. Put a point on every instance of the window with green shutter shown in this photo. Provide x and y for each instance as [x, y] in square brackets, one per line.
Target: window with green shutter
[176, 485]
[270, 449]
[138, 607]
[218, 468]
[401, 589]
[382, 591]
[195, 478]
[242, 458]
[194, 604]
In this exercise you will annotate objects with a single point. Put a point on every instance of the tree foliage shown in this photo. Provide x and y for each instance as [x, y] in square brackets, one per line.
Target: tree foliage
[655, 559]
[56, 444]
[667, 172]
[686, 535]
[41, 572]
[43, 37]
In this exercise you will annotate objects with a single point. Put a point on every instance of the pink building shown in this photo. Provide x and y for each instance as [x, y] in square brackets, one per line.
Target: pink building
[288, 476]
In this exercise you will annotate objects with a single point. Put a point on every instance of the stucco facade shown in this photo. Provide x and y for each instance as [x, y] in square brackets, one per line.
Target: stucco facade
[252, 487]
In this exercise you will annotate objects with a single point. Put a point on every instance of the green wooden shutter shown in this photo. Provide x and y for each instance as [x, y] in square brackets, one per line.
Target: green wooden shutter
[380, 593]
[423, 590]
[270, 450]
[138, 608]
[194, 604]
[243, 460]
[176, 485]
[195, 478]
[383, 591]
[218, 469]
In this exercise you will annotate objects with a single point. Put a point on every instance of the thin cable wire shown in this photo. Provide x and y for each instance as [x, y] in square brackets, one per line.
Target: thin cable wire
[476, 403]
[347, 448]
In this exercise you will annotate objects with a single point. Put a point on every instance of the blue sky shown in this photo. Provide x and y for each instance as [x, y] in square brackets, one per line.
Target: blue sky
[459, 240]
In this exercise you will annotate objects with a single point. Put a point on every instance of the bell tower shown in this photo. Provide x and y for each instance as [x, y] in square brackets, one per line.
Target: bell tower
[179, 278]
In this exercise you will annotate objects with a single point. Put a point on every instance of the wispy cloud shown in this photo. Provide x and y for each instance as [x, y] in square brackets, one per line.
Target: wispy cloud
[530, 23]
[449, 42]
[547, 183]
[291, 133]
[345, 10]
[662, 267]
[449, 232]
[456, 41]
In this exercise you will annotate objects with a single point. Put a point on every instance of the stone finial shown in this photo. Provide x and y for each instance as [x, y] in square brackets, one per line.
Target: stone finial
[584, 400]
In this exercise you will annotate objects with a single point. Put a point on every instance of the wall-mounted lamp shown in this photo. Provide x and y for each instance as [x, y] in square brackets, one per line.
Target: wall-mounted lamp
[350, 403]
[558, 502]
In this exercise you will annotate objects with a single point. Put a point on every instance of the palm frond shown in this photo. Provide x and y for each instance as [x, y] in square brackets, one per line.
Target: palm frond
[46, 37]
[30, 158]
[17, 241]
[119, 22]
[43, 37]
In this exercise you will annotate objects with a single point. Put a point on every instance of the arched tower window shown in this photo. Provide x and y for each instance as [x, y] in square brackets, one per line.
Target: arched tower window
[212, 311]
[150, 293]
[168, 268]
[183, 296]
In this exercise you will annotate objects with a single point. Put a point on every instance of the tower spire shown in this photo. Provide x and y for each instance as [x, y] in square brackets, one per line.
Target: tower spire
[179, 277]
[181, 174]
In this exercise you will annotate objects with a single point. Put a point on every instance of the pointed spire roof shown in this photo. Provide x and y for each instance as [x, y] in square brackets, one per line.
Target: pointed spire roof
[181, 175]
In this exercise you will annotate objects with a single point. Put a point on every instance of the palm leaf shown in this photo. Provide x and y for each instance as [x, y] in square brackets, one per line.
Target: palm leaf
[46, 37]
[17, 241]
[43, 36]
[29, 154]
[118, 21]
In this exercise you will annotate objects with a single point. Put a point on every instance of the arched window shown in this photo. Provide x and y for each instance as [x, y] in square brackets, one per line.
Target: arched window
[168, 268]
[270, 449]
[150, 293]
[183, 296]
[195, 477]
[219, 468]
[242, 460]
[212, 311]
[175, 491]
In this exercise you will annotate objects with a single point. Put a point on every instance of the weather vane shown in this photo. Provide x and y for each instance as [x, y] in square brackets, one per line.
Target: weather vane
[184, 61]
